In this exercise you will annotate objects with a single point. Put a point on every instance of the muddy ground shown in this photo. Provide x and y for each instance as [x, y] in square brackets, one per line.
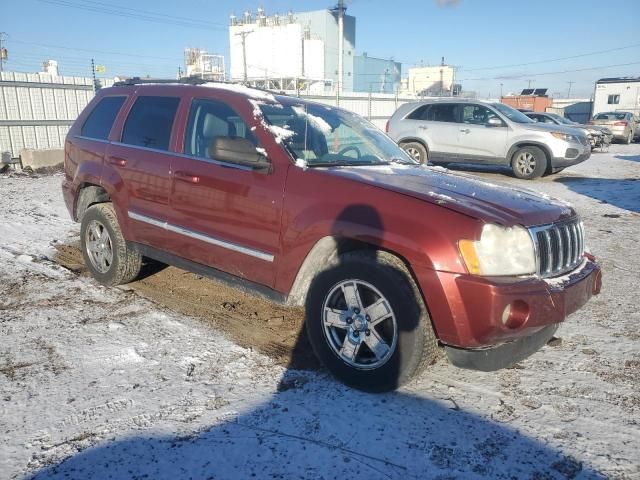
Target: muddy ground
[249, 320]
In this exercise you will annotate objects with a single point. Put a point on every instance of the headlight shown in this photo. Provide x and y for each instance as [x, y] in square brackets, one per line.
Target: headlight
[500, 251]
[565, 136]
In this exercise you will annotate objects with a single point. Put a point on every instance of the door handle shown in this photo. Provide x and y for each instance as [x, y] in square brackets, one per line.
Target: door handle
[118, 162]
[423, 127]
[187, 177]
[465, 130]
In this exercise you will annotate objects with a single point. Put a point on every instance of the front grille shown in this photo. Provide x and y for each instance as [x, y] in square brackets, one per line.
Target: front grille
[559, 247]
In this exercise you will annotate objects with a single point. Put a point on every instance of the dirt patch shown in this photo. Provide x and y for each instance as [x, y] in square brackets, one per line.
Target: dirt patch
[249, 320]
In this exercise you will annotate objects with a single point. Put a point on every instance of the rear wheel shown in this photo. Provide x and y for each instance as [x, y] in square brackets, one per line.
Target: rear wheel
[367, 322]
[629, 138]
[416, 150]
[529, 163]
[106, 253]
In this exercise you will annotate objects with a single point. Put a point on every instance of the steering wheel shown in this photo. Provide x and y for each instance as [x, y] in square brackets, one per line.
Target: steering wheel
[348, 149]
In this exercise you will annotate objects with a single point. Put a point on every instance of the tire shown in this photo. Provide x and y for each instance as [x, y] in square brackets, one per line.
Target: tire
[416, 150]
[339, 335]
[529, 163]
[629, 138]
[106, 253]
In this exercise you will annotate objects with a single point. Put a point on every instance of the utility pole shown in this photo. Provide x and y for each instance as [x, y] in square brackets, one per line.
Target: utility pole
[529, 85]
[569, 92]
[3, 51]
[179, 72]
[501, 91]
[244, 53]
[340, 9]
[93, 75]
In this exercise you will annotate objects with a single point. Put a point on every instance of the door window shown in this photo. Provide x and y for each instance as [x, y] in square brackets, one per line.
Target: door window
[445, 112]
[211, 119]
[100, 120]
[150, 122]
[477, 114]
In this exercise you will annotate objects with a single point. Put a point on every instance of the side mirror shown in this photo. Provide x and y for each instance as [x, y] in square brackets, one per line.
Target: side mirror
[238, 150]
[494, 122]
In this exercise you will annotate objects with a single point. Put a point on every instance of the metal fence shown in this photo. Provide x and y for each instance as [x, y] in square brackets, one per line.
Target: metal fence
[36, 110]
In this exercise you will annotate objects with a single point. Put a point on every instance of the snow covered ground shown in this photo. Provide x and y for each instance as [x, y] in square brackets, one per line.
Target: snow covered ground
[100, 383]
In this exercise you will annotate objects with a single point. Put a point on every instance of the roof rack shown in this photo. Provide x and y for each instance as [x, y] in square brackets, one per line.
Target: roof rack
[142, 81]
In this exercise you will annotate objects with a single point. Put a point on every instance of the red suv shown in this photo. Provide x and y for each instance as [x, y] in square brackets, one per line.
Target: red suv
[312, 205]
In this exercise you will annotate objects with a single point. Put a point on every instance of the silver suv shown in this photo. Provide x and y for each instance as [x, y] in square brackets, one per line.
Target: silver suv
[471, 131]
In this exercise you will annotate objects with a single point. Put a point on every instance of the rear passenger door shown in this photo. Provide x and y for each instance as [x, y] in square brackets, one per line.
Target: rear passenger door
[227, 213]
[139, 165]
[439, 122]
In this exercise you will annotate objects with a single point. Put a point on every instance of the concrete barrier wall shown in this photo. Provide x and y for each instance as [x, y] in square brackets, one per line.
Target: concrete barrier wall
[41, 158]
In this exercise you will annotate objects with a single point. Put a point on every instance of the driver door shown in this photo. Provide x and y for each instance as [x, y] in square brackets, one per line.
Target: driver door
[227, 213]
[478, 140]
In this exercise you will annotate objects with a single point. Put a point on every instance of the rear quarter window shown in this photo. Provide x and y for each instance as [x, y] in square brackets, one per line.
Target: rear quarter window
[150, 122]
[99, 122]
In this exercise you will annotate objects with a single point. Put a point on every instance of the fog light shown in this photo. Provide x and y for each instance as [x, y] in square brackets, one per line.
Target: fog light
[515, 314]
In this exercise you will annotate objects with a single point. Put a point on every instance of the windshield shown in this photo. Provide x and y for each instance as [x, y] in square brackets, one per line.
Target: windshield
[561, 119]
[323, 136]
[511, 113]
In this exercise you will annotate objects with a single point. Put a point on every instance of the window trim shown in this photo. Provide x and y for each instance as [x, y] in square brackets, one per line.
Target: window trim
[113, 123]
[170, 145]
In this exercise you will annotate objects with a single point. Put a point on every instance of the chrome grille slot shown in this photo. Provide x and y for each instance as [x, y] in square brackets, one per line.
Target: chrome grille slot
[559, 247]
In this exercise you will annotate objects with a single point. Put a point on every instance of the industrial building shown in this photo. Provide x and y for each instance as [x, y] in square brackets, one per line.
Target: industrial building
[301, 51]
[437, 80]
[200, 63]
[620, 93]
[377, 75]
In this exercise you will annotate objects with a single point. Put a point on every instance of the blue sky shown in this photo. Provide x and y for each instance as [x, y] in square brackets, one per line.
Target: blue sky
[482, 37]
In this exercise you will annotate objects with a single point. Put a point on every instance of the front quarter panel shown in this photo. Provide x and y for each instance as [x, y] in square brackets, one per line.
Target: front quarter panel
[424, 234]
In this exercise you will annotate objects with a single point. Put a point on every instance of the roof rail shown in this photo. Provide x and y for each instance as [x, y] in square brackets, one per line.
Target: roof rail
[142, 81]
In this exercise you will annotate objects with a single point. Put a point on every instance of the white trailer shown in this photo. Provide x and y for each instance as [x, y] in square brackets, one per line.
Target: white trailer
[617, 94]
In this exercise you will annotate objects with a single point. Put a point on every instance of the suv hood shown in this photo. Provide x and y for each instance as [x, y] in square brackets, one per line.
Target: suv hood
[489, 202]
[546, 127]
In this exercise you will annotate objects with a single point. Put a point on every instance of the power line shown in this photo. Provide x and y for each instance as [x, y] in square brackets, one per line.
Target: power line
[537, 62]
[524, 75]
[92, 51]
[148, 17]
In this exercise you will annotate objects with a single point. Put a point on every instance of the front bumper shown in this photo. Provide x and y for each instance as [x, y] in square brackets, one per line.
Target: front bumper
[467, 311]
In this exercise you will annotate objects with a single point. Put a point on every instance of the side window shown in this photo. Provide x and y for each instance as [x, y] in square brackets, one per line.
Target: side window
[150, 121]
[418, 113]
[211, 119]
[100, 120]
[477, 114]
[445, 112]
[613, 99]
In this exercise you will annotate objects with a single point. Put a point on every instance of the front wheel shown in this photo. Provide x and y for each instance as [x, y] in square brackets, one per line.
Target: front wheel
[367, 322]
[106, 253]
[529, 163]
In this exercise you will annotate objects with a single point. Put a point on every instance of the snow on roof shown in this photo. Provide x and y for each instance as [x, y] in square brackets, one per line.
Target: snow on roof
[249, 92]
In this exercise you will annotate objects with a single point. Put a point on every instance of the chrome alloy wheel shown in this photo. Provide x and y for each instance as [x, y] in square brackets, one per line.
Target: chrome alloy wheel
[359, 324]
[414, 153]
[99, 246]
[525, 163]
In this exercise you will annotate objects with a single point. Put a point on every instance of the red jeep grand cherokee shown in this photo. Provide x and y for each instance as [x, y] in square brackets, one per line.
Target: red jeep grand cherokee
[312, 205]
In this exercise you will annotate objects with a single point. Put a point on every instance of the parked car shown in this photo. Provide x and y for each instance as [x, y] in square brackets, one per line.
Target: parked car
[623, 125]
[312, 205]
[598, 136]
[458, 130]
